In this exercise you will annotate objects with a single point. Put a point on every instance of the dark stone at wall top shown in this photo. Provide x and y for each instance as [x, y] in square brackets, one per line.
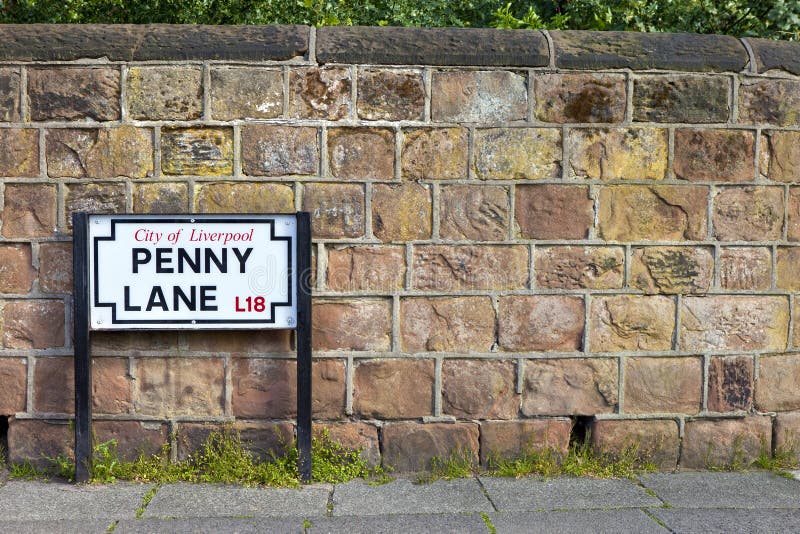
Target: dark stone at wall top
[784, 55]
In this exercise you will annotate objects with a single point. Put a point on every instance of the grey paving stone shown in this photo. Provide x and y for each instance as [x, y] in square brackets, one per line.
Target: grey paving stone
[216, 500]
[43, 501]
[390, 524]
[273, 525]
[403, 497]
[725, 490]
[729, 521]
[532, 494]
[55, 526]
[595, 521]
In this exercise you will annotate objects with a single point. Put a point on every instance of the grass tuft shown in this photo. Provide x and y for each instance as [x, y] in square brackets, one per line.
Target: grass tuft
[458, 464]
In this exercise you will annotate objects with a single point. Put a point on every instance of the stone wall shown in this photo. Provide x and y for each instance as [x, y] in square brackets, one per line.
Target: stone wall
[513, 231]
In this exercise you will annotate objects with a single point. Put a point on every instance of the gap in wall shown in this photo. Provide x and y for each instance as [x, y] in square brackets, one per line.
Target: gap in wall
[581, 428]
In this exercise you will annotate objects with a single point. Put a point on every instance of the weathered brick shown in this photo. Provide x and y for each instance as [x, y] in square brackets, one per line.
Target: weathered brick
[714, 155]
[540, 323]
[401, 212]
[366, 268]
[780, 156]
[617, 154]
[786, 273]
[353, 436]
[30, 210]
[14, 377]
[132, 437]
[435, 153]
[694, 99]
[450, 268]
[653, 440]
[652, 213]
[361, 153]
[390, 94]
[446, 324]
[337, 210]
[132, 341]
[55, 267]
[36, 441]
[33, 324]
[730, 383]
[269, 150]
[573, 267]
[512, 439]
[585, 386]
[74, 93]
[170, 197]
[725, 443]
[20, 153]
[100, 152]
[787, 434]
[631, 322]
[54, 385]
[517, 153]
[197, 151]
[16, 270]
[748, 213]
[247, 197]
[745, 268]
[478, 96]
[262, 439]
[165, 93]
[672, 269]
[663, 385]
[778, 383]
[769, 101]
[95, 197]
[412, 446]
[377, 383]
[474, 212]
[479, 389]
[112, 386]
[319, 93]
[728, 322]
[179, 386]
[568, 97]
[793, 230]
[553, 211]
[231, 342]
[9, 95]
[246, 93]
[352, 325]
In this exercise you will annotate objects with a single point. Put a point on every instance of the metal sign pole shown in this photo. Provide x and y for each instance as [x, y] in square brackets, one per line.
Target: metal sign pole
[83, 365]
[304, 345]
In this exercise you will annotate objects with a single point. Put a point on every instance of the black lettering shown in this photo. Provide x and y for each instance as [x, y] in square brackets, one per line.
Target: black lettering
[206, 300]
[138, 254]
[242, 258]
[183, 256]
[222, 264]
[190, 301]
[157, 299]
[128, 306]
[163, 259]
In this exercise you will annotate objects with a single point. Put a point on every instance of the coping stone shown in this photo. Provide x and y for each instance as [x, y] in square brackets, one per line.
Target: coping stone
[731, 520]
[781, 55]
[595, 521]
[392, 524]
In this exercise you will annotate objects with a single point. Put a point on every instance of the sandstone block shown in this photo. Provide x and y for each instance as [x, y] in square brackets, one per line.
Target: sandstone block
[725, 443]
[517, 153]
[354, 436]
[714, 155]
[568, 97]
[262, 439]
[54, 385]
[745, 268]
[197, 151]
[132, 437]
[663, 385]
[95, 197]
[786, 272]
[179, 386]
[617, 154]
[337, 210]
[584, 386]
[654, 440]
[36, 440]
[511, 439]
[479, 389]
[112, 386]
[553, 211]
[476, 213]
[132, 342]
[378, 384]
[478, 96]
[778, 383]
[787, 434]
[401, 212]
[739, 323]
[170, 197]
[352, 325]
[446, 324]
[412, 446]
[748, 213]
[695, 99]
[390, 94]
[450, 268]
[55, 267]
[319, 93]
[672, 269]
[770, 102]
[730, 383]
[100, 153]
[573, 267]
[244, 197]
[366, 268]
[361, 153]
[540, 323]
[165, 93]
[793, 208]
[33, 324]
[14, 377]
[645, 213]
[16, 270]
[246, 93]
[74, 93]
[780, 155]
[231, 342]
[435, 153]
[9, 95]
[631, 322]
[29, 210]
[20, 154]
[269, 150]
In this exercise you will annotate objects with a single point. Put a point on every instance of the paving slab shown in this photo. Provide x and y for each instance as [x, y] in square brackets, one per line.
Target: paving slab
[402, 497]
[724, 490]
[729, 521]
[392, 524]
[219, 500]
[533, 494]
[212, 525]
[55, 526]
[24, 500]
[594, 521]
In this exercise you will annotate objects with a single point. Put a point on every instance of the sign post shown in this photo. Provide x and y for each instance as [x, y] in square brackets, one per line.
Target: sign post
[191, 272]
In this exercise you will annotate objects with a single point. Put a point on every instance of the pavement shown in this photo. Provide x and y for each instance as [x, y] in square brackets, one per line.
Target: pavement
[680, 502]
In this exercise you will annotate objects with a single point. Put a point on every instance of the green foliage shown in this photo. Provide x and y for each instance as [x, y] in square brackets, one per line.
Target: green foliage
[488, 522]
[458, 464]
[26, 471]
